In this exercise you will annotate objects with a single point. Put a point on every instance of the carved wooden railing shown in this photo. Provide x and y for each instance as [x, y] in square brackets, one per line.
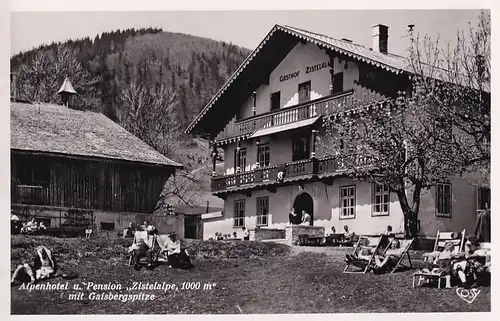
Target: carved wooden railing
[323, 106]
[312, 166]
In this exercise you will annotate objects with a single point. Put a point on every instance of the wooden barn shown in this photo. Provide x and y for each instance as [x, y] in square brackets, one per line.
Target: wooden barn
[73, 168]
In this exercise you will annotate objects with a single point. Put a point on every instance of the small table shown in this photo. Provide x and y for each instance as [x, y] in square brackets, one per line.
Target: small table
[425, 276]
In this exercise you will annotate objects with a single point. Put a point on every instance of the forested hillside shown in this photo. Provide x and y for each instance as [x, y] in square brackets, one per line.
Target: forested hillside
[151, 82]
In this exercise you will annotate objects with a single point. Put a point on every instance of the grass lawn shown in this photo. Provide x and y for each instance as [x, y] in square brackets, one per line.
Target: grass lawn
[251, 277]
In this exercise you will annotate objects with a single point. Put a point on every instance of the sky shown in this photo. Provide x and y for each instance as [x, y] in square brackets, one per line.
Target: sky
[243, 28]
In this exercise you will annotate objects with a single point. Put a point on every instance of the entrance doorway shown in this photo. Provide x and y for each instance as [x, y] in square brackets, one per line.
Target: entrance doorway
[304, 202]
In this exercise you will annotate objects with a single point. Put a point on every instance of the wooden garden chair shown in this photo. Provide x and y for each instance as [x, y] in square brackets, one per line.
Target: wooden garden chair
[363, 262]
[404, 247]
[457, 238]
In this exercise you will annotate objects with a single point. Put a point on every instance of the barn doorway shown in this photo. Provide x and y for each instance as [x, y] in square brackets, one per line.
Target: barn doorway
[304, 202]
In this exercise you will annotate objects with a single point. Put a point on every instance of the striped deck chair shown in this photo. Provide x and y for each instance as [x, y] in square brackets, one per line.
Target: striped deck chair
[402, 252]
[363, 261]
[150, 240]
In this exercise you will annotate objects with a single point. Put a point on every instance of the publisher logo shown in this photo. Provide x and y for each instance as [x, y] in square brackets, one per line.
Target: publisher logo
[468, 295]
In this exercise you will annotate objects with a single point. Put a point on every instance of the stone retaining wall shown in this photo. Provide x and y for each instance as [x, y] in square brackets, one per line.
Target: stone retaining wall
[293, 232]
[260, 234]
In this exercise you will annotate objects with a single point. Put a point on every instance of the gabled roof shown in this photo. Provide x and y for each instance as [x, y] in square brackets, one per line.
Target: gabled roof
[67, 87]
[290, 37]
[55, 129]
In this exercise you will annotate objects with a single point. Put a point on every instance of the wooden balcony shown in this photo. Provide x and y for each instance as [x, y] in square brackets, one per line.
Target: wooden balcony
[27, 194]
[319, 107]
[305, 169]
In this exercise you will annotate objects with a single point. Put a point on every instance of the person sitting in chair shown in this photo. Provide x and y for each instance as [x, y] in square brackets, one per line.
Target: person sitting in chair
[43, 267]
[348, 236]
[128, 231]
[391, 257]
[177, 257]
[138, 251]
[470, 267]
[246, 235]
[152, 230]
[442, 263]
[306, 218]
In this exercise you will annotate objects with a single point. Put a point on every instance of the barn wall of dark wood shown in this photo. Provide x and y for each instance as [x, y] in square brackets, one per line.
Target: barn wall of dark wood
[87, 184]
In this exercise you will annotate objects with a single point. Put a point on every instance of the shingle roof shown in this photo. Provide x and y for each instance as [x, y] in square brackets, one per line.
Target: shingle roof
[388, 61]
[57, 129]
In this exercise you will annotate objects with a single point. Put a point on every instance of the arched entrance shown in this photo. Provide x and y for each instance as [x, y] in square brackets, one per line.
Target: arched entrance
[304, 202]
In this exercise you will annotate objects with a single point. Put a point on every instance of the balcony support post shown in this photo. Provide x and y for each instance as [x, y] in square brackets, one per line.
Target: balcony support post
[313, 143]
[254, 108]
[214, 156]
[238, 148]
[332, 72]
[257, 143]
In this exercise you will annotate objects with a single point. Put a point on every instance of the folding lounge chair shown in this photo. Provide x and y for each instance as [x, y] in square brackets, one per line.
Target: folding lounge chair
[404, 247]
[458, 239]
[363, 262]
[162, 241]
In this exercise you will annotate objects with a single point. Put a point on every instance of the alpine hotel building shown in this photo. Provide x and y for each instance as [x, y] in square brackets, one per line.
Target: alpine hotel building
[266, 119]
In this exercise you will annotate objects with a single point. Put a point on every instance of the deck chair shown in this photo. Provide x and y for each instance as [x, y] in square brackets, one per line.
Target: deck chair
[162, 241]
[404, 247]
[363, 262]
[458, 239]
[150, 240]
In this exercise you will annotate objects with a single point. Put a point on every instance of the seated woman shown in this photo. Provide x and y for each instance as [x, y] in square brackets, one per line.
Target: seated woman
[442, 263]
[306, 218]
[43, 267]
[177, 257]
[364, 253]
[390, 258]
[472, 265]
[138, 251]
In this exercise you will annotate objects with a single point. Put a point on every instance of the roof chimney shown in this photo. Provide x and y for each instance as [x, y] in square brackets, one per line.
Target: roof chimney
[66, 91]
[380, 38]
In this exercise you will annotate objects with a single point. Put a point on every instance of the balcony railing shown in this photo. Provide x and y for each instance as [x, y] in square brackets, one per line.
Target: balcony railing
[308, 167]
[324, 106]
[27, 194]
